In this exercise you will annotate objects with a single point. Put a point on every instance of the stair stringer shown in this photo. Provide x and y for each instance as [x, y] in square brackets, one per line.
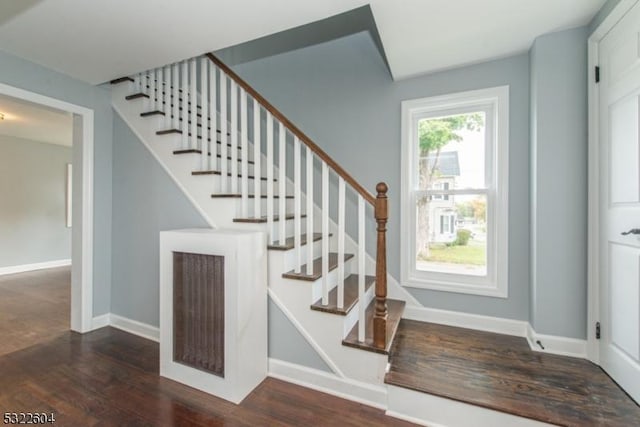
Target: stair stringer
[324, 330]
[219, 212]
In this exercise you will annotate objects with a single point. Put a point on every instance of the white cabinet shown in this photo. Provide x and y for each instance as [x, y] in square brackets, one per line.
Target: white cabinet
[213, 310]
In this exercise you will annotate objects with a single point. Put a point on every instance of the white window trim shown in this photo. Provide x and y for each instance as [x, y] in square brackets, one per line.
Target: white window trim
[495, 284]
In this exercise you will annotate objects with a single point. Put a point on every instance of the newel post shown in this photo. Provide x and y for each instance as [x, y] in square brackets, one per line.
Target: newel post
[380, 315]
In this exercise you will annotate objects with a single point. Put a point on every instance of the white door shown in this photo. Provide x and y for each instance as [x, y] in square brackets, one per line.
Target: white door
[619, 91]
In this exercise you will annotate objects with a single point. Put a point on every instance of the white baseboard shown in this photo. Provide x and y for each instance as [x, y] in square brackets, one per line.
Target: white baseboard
[134, 327]
[32, 267]
[434, 411]
[552, 344]
[100, 321]
[128, 325]
[367, 394]
[469, 321]
[556, 345]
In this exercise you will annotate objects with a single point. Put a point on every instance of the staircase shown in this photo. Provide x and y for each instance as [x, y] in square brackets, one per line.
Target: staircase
[242, 163]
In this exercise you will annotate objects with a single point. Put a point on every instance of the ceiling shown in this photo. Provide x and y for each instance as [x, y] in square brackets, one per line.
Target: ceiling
[98, 40]
[26, 120]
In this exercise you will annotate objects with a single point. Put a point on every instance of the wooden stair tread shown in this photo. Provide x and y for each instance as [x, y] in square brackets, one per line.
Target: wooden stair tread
[136, 96]
[198, 151]
[237, 196]
[169, 131]
[317, 268]
[152, 113]
[193, 151]
[350, 296]
[289, 242]
[196, 173]
[264, 219]
[121, 80]
[395, 308]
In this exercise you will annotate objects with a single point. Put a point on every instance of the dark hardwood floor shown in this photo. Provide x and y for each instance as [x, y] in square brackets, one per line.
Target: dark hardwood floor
[501, 372]
[110, 378]
[34, 307]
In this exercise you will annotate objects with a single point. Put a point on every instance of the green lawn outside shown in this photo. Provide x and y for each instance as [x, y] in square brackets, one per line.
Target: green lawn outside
[470, 254]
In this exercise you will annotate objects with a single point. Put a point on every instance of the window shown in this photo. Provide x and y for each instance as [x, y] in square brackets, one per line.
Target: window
[455, 192]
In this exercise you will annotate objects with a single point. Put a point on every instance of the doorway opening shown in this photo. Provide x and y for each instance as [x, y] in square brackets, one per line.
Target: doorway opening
[76, 196]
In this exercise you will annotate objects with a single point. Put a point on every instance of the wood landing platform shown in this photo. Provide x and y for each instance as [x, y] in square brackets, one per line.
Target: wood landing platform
[501, 372]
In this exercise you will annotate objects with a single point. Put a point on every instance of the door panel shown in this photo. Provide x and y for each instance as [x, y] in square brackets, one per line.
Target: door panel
[625, 295]
[619, 97]
[624, 160]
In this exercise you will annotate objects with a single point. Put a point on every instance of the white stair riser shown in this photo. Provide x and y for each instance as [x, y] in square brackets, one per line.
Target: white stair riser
[289, 257]
[316, 287]
[352, 317]
[289, 226]
[325, 328]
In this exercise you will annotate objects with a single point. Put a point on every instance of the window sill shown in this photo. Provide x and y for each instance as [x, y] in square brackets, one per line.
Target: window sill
[458, 288]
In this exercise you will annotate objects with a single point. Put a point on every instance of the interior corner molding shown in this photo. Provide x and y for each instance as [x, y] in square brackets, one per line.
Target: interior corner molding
[563, 346]
[125, 324]
[32, 267]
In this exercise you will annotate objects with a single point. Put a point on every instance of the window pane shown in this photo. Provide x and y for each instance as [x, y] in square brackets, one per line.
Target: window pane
[452, 152]
[452, 235]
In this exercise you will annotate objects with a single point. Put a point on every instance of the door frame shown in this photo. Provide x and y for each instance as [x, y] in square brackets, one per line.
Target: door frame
[593, 263]
[82, 232]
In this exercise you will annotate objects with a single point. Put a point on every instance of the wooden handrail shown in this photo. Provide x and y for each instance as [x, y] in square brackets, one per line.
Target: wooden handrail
[380, 315]
[294, 130]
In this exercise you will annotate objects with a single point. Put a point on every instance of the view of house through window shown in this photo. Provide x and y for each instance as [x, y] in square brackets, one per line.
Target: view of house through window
[451, 235]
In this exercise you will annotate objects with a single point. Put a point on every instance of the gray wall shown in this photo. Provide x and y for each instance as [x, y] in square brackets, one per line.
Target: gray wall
[341, 95]
[146, 201]
[33, 194]
[286, 343]
[26, 75]
[559, 183]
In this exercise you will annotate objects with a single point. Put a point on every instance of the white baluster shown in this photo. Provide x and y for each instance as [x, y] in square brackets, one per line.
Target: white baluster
[204, 111]
[185, 107]
[325, 234]
[159, 89]
[341, 218]
[213, 117]
[167, 97]
[234, 137]
[310, 227]
[282, 183]
[223, 133]
[193, 99]
[361, 269]
[152, 91]
[146, 82]
[175, 98]
[137, 86]
[297, 220]
[256, 159]
[244, 154]
[270, 227]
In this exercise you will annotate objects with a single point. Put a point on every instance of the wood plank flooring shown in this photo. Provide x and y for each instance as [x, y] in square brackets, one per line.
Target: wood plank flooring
[110, 378]
[501, 372]
[34, 307]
